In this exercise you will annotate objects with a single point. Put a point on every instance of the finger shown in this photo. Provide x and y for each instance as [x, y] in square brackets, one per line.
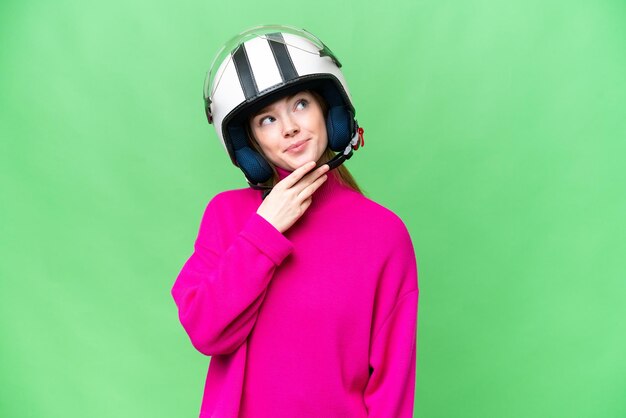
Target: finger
[306, 204]
[308, 191]
[297, 174]
[309, 178]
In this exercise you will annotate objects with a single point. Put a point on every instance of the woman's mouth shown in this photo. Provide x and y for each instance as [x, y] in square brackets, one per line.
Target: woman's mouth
[299, 146]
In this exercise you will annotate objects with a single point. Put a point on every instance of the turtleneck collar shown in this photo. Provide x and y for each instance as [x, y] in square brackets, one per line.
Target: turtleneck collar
[329, 189]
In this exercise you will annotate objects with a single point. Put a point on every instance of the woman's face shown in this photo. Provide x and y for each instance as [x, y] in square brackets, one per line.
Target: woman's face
[291, 131]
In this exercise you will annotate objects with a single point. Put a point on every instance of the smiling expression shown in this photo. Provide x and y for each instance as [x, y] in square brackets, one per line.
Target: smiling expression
[291, 131]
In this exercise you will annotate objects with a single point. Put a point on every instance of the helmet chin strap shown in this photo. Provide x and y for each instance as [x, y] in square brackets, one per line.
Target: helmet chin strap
[333, 163]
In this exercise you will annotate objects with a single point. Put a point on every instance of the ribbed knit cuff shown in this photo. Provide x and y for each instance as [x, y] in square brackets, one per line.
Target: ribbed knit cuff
[267, 238]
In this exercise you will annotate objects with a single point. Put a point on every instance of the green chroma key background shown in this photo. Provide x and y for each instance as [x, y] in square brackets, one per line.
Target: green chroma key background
[496, 130]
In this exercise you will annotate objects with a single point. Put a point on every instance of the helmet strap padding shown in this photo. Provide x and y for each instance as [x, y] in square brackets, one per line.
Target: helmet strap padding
[338, 128]
[254, 166]
[340, 122]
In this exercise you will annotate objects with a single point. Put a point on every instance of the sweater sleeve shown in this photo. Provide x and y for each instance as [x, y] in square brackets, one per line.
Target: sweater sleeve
[390, 390]
[222, 285]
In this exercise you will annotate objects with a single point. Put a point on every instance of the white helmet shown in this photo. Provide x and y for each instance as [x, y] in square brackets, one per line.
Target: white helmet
[258, 66]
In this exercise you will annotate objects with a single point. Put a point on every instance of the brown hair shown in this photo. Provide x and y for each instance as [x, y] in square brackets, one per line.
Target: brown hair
[342, 173]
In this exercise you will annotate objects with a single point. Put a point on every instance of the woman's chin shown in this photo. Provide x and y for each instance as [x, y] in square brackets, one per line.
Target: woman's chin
[299, 160]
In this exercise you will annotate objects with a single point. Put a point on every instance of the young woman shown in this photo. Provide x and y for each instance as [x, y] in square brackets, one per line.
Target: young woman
[302, 290]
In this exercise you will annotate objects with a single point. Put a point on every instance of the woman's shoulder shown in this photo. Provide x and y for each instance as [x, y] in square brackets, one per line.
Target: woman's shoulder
[233, 198]
[379, 216]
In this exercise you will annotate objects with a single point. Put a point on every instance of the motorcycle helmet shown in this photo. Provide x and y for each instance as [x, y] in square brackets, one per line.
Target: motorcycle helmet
[261, 65]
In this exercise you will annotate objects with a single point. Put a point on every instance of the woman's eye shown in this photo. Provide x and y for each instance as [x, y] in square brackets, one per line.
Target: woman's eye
[265, 120]
[303, 102]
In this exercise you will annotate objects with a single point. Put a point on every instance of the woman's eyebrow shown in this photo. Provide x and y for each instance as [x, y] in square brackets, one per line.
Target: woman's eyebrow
[265, 110]
[269, 108]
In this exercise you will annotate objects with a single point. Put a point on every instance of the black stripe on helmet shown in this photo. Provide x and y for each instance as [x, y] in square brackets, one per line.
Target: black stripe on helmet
[281, 56]
[244, 72]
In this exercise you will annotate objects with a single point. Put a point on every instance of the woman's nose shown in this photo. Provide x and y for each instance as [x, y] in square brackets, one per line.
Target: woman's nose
[290, 127]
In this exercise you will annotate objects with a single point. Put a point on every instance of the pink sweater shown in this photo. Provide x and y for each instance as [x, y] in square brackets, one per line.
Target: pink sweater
[320, 321]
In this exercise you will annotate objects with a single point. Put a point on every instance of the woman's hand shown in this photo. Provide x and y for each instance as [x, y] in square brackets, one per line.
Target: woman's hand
[292, 196]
